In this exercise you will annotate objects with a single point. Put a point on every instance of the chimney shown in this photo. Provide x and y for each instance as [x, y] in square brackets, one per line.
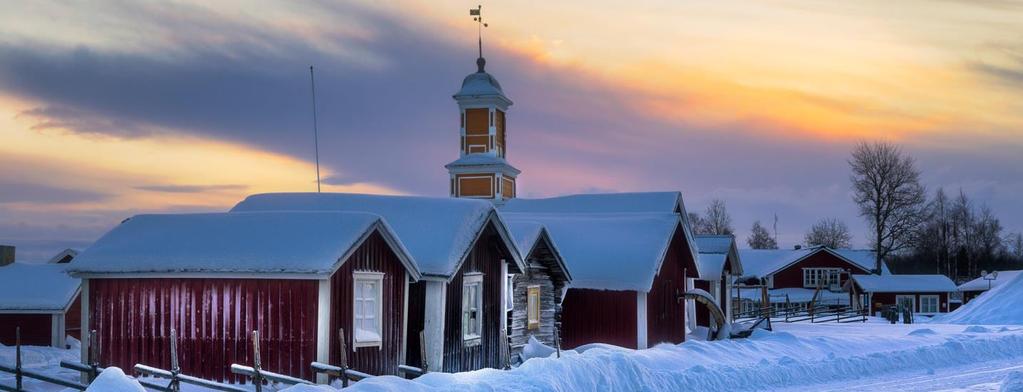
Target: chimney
[797, 247]
[6, 255]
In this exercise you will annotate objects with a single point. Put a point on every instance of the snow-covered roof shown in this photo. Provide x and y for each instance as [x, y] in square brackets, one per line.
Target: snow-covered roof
[438, 232]
[290, 242]
[609, 251]
[528, 234]
[763, 262]
[904, 283]
[600, 203]
[480, 84]
[44, 288]
[981, 284]
[795, 294]
[714, 253]
[66, 254]
[484, 159]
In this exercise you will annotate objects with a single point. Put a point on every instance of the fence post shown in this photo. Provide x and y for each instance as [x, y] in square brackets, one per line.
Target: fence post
[17, 358]
[422, 351]
[174, 385]
[257, 379]
[344, 357]
[557, 340]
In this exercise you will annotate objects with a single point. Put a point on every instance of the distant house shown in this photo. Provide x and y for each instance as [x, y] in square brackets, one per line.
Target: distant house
[537, 293]
[41, 299]
[465, 254]
[793, 275]
[629, 271]
[719, 265]
[297, 277]
[984, 283]
[925, 294]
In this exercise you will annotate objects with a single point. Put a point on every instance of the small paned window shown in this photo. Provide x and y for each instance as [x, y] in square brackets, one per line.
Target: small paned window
[472, 308]
[367, 308]
[533, 307]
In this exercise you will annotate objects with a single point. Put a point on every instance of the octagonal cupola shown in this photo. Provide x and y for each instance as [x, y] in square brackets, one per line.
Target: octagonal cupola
[482, 171]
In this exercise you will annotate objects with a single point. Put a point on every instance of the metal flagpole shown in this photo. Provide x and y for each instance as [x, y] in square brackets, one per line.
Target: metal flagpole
[316, 136]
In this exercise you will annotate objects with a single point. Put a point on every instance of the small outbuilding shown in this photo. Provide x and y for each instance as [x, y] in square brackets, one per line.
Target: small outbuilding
[629, 274]
[465, 253]
[924, 294]
[719, 264]
[537, 293]
[984, 283]
[297, 277]
[41, 299]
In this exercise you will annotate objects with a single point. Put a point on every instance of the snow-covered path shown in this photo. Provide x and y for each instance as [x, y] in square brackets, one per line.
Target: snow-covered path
[984, 376]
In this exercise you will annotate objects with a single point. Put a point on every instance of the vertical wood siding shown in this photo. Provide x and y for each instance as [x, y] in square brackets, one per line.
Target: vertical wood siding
[416, 320]
[374, 255]
[214, 319]
[485, 257]
[592, 316]
[702, 313]
[73, 319]
[35, 329]
[666, 313]
[793, 275]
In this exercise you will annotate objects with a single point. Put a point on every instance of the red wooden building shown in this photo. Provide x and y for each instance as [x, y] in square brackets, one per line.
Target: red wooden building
[924, 294]
[41, 299]
[719, 265]
[629, 271]
[297, 277]
[465, 254]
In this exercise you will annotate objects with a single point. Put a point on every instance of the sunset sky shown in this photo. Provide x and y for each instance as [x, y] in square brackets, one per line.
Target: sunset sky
[110, 109]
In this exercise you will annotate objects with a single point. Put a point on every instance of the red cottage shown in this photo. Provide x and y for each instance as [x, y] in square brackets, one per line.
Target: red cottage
[465, 254]
[41, 299]
[297, 277]
[793, 275]
[924, 294]
[719, 264]
[629, 271]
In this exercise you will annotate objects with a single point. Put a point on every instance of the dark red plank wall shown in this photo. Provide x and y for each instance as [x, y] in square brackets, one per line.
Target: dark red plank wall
[485, 257]
[35, 329]
[214, 319]
[592, 316]
[666, 311]
[374, 255]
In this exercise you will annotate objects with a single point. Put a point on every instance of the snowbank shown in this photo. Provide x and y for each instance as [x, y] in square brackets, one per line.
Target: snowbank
[1012, 383]
[113, 379]
[796, 355]
[1001, 305]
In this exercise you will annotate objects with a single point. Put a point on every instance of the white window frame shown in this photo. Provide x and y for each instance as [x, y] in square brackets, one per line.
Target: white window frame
[468, 337]
[533, 323]
[911, 297]
[937, 303]
[813, 275]
[377, 278]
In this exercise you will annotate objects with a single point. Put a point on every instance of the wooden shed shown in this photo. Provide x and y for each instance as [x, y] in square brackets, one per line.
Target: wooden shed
[42, 300]
[629, 271]
[537, 293]
[924, 294]
[297, 277]
[719, 264]
[465, 253]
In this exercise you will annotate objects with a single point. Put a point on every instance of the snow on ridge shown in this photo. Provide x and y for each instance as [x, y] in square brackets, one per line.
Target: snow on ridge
[981, 284]
[998, 306]
[438, 232]
[608, 251]
[666, 202]
[266, 242]
[36, 287]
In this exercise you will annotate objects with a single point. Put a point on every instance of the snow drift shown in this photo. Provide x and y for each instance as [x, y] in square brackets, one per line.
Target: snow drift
[999, 306]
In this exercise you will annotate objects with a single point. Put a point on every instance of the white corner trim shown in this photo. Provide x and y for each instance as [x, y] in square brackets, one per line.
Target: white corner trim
[84, 333]
[433, 323]
[323, 326]
[504, 296]
[57, 330]
[641, 326]
[404, 335]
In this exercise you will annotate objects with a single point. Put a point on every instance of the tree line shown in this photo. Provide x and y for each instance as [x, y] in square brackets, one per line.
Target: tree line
[940, 234]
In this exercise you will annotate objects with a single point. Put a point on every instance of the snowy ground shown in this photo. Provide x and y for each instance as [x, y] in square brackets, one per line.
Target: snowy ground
[873, 356]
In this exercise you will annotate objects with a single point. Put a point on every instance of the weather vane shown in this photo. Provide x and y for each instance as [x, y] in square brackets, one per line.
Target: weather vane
[477, 15]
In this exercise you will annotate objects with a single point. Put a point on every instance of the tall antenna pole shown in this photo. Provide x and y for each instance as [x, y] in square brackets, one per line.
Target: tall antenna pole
[316, 133]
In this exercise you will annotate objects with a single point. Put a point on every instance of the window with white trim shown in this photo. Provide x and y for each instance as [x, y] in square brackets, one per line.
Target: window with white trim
[823, 276]
[533, 307]
[472, 307]
[928, 304]
[907, 302]
[367, 293]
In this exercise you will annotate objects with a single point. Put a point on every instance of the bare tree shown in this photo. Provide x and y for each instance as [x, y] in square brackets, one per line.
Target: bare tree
[760, 238]
[717, 219]
[698, 224]
[886, 187]
[829, 232]
[1014, 246]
